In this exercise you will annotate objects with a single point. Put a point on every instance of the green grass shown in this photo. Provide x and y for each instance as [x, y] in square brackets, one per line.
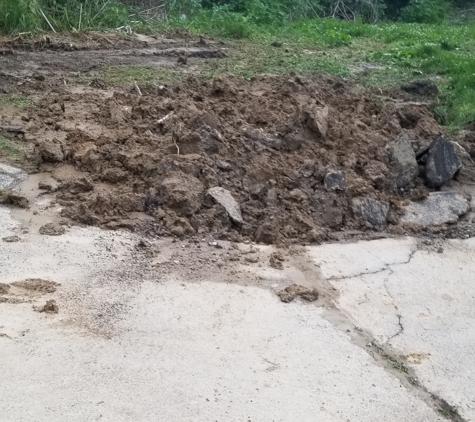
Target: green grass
[9, 149]
[127, 75]
[16, 100]
[444, 53]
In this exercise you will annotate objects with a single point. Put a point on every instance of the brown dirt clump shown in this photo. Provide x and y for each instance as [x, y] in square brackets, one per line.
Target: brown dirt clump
[37, 285]
[290, 293]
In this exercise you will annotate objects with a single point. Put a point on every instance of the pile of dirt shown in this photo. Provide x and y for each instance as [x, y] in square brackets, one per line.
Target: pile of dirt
[297, 158]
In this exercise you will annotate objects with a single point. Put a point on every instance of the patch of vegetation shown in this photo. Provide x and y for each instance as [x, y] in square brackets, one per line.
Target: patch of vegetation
[9, 149]
[127, 75]
[16, 100]
[17, 16]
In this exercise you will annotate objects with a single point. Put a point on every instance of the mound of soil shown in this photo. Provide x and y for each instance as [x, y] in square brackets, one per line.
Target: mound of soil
[303, 157]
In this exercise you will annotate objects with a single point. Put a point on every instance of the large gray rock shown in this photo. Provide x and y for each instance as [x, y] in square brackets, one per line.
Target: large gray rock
[10, 177]
[372, 210]
[402, 160]
[225, 199]
[442, 162]
[438, 208]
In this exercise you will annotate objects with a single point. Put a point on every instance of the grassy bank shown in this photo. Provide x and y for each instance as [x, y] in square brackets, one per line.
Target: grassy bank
[396, 52]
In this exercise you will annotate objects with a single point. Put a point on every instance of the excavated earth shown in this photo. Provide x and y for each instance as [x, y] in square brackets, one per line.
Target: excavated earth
[304, 158]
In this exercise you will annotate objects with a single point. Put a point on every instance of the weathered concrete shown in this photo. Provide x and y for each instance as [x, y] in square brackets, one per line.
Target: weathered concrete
[418, 303]
[403, 161]
[10, 177]
[438, 208]
[126, 348]
[226, 200]
[371, 210]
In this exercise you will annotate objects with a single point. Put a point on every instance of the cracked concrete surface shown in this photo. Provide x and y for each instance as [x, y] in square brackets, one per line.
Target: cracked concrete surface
[418, 304]
[135, 345]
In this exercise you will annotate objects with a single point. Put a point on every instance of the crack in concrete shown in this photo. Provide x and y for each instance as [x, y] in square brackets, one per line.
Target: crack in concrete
[400, 330]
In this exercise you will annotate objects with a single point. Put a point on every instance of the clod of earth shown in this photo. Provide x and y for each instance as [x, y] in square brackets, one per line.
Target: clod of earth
[50, 307]
[439, 208]
[14, 199]
[295, 290]
[11, 239]
[276, 261]
[37, 285]
[4, 288]
[52, 229]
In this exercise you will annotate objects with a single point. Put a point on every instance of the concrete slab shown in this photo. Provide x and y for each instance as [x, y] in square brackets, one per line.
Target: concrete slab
[418, 303]
[130, 344]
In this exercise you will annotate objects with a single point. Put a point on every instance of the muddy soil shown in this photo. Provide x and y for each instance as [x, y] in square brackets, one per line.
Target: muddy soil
[299, 154]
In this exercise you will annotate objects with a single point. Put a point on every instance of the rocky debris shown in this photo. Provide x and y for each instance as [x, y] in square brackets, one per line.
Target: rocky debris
[11, 239]
[37, 285]
[276, 261]
[441, 162]
[224, 198]
[438, 208]
[264, 138]
[422, 88]
[371, 210]
[295, 290]
[276, 44]
[403, 164]
[50, 307]
[182, 193]
[252, 259]
[182, 59]
[335, 180]
[12, 128]
[13, 198]
[52, 229]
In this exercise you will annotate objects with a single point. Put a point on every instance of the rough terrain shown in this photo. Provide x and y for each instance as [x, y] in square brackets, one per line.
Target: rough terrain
[302, 159]
[157, 243]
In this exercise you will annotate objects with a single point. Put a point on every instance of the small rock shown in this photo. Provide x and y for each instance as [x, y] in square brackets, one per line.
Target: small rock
[253, 259]
[11, 239]
[294, 290]
[403, 163]
[265, 233]
[276, 44]
[223, 165]
[373, 211]
[264, 138]
[52, 229]
[225, 199]
[335, 180]
[50, 307]
[438, 208]
[442, 162]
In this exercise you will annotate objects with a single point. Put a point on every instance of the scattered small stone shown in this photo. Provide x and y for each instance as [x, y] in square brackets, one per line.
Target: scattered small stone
[50, 307]
[294, 290]
[335, 180]
[227, 201]
[276, 44]
[223, 165]
[11, 239]
[440, 250]
[52, 229]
